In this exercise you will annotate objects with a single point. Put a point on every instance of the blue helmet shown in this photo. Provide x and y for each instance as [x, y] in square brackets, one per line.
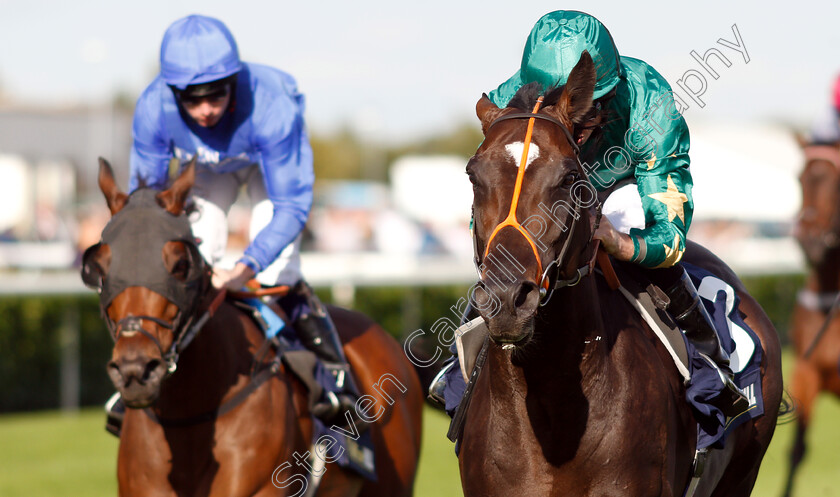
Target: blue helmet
[197, 49]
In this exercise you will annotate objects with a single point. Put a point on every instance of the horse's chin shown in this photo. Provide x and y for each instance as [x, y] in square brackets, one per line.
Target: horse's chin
[137, 395]
[510, 332]
[139, 399]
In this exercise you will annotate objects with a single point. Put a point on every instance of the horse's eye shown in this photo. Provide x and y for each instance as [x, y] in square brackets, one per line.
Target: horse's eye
[181, 269]
[473, 178]
[570, 179]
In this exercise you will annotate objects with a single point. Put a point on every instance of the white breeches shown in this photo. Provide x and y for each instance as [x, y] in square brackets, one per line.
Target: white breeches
[213, 195]
[624, 208]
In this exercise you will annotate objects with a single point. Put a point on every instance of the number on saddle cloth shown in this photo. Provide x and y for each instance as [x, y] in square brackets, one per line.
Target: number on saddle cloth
[743, 347]
[728, 323]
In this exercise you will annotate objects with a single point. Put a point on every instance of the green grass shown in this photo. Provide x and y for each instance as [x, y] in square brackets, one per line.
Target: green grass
[819, 473]
[50, 454]
[438, 473]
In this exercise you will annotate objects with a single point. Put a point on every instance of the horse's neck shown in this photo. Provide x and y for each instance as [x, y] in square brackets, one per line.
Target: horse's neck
[567, 358]
[213, 363]
[825, 278]
[558, 383]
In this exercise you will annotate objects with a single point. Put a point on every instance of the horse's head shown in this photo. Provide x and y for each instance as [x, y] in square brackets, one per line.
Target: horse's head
[530, 200]
[150, 276]
[818, 222]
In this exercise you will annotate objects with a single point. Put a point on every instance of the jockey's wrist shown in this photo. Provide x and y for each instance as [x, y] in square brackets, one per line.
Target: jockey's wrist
[622, 247]
[243, 271]
[250, 262]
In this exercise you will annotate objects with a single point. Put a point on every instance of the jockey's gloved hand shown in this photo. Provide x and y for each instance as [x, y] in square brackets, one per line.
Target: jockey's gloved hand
[232, 279]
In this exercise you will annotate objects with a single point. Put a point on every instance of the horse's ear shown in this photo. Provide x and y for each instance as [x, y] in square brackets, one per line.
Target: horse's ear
[113, 195]
[174, 197]
[576, 100]
[487, 112]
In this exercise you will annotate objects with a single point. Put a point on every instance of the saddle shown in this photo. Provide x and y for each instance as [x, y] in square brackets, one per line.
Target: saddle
[354, 447]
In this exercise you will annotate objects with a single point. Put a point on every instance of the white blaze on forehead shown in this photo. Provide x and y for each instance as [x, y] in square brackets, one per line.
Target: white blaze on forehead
[515, 151]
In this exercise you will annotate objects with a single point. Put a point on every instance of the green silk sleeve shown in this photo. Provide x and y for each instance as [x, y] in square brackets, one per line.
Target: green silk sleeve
[658, 141]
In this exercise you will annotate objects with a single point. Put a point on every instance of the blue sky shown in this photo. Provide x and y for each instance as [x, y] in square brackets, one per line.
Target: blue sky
[396, 70]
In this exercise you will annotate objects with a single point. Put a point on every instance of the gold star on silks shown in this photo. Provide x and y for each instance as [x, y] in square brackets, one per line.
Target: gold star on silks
[673, 254]
[651, 162]
[673, 199]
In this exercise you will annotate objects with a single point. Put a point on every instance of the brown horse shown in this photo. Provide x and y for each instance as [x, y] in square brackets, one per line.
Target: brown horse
[578, 397]
[815, 332]
[198, 431]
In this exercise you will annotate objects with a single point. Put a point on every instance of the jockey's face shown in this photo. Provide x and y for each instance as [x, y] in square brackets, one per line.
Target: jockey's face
[589, 126]
[207, 110]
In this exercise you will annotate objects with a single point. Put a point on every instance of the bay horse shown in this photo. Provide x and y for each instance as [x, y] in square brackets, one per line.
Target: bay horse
[577, 396]
[815, 329]
[208, 429]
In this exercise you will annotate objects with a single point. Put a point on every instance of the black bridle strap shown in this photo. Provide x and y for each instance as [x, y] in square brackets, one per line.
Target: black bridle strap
[134, 324]
[544, 117]
[191, 330]
[188, 331]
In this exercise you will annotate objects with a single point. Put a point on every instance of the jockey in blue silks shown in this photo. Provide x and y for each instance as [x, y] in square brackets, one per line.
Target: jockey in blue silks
[244, 122]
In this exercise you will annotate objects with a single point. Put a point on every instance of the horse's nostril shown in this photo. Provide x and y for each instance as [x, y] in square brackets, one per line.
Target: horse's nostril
[522, 296]
[150, 368]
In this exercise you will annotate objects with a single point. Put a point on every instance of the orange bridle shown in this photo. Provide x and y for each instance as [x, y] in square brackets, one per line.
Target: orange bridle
[511, 220]
[546, 279]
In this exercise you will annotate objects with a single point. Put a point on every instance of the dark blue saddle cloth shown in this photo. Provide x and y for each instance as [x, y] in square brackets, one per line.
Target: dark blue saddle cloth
[349, 446]
[744, 349]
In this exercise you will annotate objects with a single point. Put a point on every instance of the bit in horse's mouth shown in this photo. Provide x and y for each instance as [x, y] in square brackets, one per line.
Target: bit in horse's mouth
[509, 343]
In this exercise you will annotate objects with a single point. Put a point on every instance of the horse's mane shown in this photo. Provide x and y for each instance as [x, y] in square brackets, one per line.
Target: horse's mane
[526, 97]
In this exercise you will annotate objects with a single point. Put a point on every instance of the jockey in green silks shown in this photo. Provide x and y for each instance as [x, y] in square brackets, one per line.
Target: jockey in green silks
[639, 140]
[641, 119]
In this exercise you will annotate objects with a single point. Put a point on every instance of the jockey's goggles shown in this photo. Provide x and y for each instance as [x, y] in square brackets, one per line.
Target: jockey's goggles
[210, 91]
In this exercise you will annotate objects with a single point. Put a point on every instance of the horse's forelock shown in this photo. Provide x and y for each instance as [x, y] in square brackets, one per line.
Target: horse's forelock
[526, 97]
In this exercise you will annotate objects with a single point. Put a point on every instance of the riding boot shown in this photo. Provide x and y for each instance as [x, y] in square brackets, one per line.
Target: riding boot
[319, 335]
[695, 321]
[115, 411]
[438, 385]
